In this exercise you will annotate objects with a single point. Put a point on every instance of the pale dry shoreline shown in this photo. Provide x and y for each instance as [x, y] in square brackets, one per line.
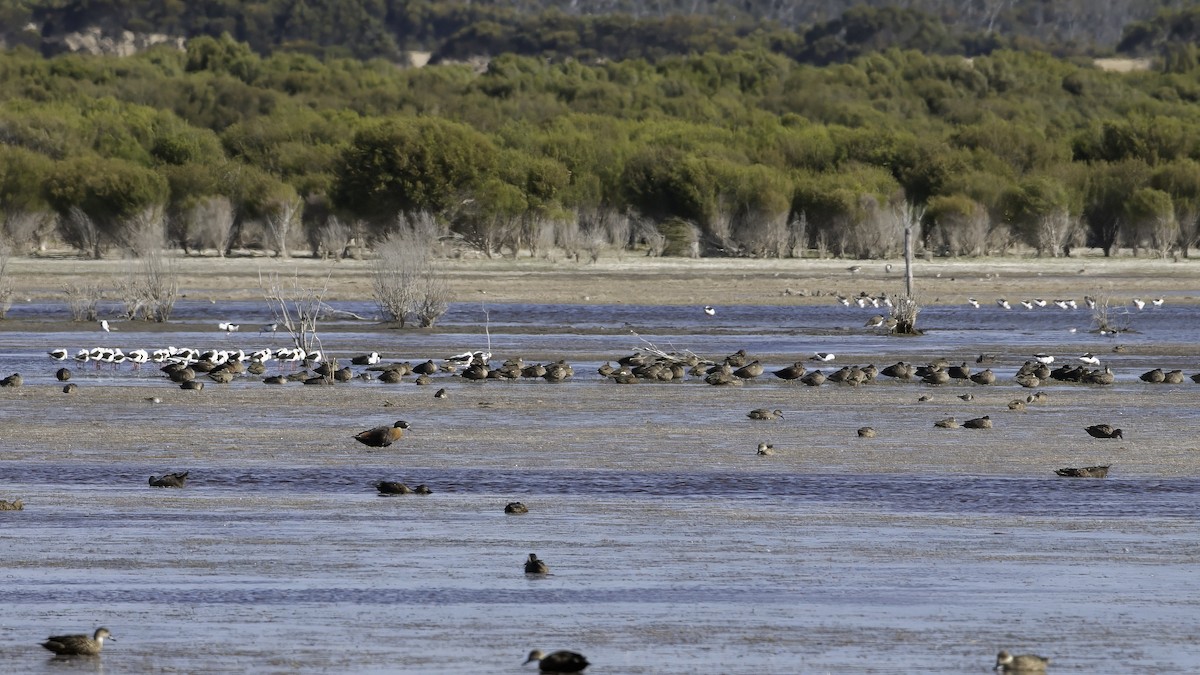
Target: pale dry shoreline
[634, 279]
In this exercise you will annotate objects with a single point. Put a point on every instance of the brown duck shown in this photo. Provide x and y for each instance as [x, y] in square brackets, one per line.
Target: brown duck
[1084, 472]
[1024, 663]
[391, 487]
[984, 422]
[536, 566]
[78, 645]
[516, 508]
[1103, 431]
[381, 437]
[169, 480]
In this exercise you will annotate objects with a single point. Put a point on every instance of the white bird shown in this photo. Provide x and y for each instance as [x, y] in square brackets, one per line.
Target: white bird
[468, 357]
[1044, 358]
[228, 327]
[1039, 302]
[1003, 303]
[1072, 304]
[710, 310]
[822, 356]
[269, 328]
[59, 354]
[1089, 301]
[1158, 302]
[1090, 359]
[1027, 304]
[1061, 304]
[973, 302]
[1139, 303]
[105, 327]
[843, 301]
[83, 356]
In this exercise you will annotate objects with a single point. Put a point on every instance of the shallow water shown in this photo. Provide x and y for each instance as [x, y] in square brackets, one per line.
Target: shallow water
[673, 547]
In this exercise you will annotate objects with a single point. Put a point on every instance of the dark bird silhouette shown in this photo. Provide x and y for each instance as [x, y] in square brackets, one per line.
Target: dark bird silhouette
[558, 662]
[172, 480]
[536, 566]
[516, 508]
[381, 437]
[1103, 431]
[1084, 472]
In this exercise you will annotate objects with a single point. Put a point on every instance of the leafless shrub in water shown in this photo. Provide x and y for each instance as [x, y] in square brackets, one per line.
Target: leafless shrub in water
[296, 306]
[404, 280]
[83, 300]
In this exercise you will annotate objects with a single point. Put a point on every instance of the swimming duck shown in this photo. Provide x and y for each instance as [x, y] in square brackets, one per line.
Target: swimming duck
[14, 505]
[766, 449]
[171, 480]
[1084, 472]
[558, 662]
[866, 432]
[516, 508]
[78, 645]
[765, 414]
[381, 437]
[536, 566]
[1024, 663]
[391, 487]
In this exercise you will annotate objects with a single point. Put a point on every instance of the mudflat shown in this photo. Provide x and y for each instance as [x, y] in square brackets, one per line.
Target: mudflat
[637, 279]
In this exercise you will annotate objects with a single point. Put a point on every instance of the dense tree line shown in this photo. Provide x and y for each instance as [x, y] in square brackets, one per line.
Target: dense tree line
[817, 32]
[741, 153]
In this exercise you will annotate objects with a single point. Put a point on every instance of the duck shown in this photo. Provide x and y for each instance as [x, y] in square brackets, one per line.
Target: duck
[561, 661]
[536, 566]
[1084, 472]
[948, 423]
[62, 374]
[196, 385]
[422, 489]
[1103, 431]
[391, 487]
[169, 480]
[766, 449]
[1155, 376]
[70, 388]
[78, 645]
[13, 381]
[1024, 663]
[440, 393]
[984, 377]
[14, 505]
[381, 437]
[749, 371]
[765, 414]
[792, 372]
[516, 508]
[1016, 405]
[866, 432]
[814, 379]
[984, 422]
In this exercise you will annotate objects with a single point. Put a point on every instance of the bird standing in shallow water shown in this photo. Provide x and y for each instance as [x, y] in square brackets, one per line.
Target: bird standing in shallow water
[558, 662]
[710, 310]
[1024, 663]
[381, 437]
[78, 645]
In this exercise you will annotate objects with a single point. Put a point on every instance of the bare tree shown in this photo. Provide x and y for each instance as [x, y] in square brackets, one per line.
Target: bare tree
[332, 238]
[212, 223]
[404, 280]
[296, 306]
[143, 232]
[798, 233]
[83, 300]
[281, 221]
[1164, 234]
[1054, 230]
[27, 230]
[81, 231]
[6, 289]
